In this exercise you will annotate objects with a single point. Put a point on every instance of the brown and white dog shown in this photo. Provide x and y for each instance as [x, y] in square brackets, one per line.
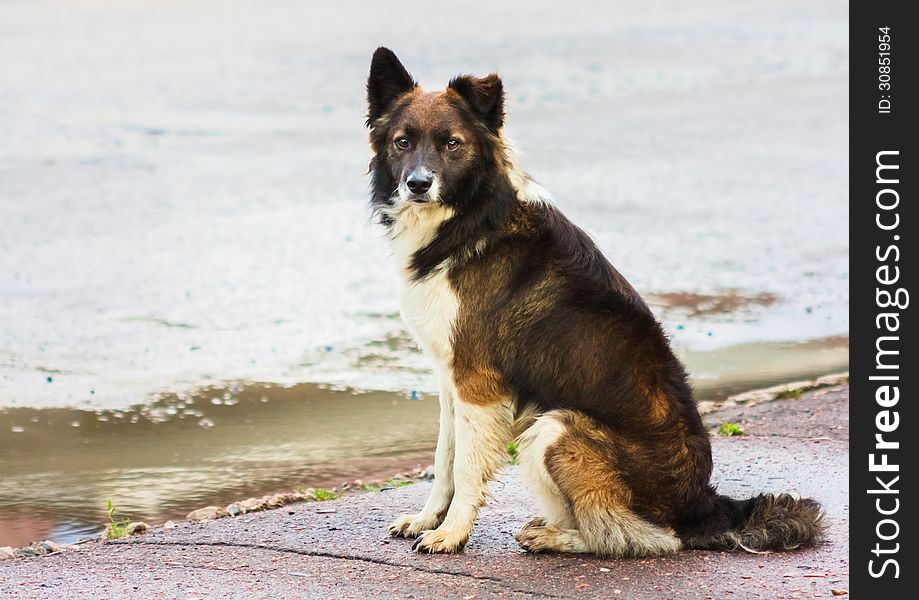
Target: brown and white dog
[535, 334]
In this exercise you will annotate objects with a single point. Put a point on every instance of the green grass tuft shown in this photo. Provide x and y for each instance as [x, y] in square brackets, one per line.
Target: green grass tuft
[792, 394]
[115, 529]
[369, 488]
[512, 448]
[397, 484]
[729, 429]
[322, 494]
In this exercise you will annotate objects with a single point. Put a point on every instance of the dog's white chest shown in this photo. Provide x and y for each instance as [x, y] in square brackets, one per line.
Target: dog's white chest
[429, 308]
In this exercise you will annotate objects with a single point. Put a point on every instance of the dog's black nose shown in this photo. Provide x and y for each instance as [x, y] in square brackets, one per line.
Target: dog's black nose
[419, 183]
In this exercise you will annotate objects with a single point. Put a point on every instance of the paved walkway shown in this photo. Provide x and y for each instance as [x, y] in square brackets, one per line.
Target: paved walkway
[340, 549]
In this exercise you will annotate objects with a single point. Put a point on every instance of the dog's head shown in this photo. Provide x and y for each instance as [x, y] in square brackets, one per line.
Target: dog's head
[430, 147]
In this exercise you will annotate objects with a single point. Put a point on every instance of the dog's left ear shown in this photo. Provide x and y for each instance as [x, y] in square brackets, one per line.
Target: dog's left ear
[387, 81]
[485, 95]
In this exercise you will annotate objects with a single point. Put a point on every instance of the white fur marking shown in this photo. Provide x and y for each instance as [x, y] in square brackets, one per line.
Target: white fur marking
[429, 308]
[429, 305]
[432, 196]
[441, 494]
[532, 458]
[527, 189]
[482, 433]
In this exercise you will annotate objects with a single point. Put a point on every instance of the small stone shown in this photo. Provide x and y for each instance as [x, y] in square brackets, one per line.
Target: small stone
[169, 525]
[52, 546]
[251, 505]
[604, 570]
[207, 513]
[137, 527]
[234, 510]
[39, 549]
[277, 500]
[839, 592]
[7, 552]
[428, 474]
[205, 423]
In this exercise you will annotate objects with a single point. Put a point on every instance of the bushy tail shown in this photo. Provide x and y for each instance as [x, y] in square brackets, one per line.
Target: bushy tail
[763, 523]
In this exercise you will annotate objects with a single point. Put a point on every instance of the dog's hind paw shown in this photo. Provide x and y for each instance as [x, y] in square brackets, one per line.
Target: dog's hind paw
[537, 522]
[537, 536]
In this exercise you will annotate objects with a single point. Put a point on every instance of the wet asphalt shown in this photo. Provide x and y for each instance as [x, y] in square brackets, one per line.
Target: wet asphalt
[183, 185]
[340, 549]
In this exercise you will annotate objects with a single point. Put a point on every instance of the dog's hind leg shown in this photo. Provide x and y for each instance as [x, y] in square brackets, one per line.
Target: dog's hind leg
[531, 455]
[569, 462]
[556, 531]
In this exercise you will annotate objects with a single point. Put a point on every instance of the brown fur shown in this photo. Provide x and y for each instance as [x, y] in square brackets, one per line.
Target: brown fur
[533, 320]
[479, 384]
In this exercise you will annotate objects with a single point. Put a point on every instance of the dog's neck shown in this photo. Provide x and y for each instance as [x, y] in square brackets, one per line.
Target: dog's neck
[429, 237]
[464, 230]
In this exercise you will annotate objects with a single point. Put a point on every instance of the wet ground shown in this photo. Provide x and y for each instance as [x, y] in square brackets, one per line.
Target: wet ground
[183, 189]
[341, 549]
[156, 461]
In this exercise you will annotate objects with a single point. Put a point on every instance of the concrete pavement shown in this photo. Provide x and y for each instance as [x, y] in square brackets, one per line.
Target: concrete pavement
[340, 549]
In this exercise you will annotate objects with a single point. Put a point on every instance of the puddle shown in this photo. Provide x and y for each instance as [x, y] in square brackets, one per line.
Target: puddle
[724, 372]
[159, 461]
[691, 304]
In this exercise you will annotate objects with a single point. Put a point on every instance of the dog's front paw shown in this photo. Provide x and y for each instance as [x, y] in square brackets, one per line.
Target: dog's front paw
[412, 525]
[443, 540]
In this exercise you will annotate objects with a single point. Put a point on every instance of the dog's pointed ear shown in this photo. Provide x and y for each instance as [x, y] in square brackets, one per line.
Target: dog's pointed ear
[387, 81]
[485, 95]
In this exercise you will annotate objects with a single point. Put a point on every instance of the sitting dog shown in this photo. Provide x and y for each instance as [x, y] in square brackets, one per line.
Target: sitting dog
[535, 334]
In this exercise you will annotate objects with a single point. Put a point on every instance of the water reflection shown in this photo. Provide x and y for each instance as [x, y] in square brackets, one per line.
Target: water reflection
[158, 462]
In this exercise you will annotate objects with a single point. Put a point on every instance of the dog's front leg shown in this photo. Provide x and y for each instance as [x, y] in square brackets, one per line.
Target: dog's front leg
[442, 491]
[483, 426]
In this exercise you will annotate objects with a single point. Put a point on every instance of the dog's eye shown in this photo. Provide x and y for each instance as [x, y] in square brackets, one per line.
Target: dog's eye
[453, 144]
[402, 143]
